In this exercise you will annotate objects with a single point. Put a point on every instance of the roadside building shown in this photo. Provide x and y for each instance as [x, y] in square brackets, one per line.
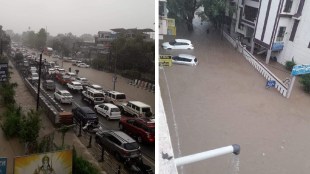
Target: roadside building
[166, 25]
[276, 28]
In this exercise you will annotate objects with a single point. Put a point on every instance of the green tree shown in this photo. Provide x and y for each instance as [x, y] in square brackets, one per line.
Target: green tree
[183, 10]
[30, 128]
[82, 166]
[215, 11]
[29, 39]
[40, 41]
[11, 123]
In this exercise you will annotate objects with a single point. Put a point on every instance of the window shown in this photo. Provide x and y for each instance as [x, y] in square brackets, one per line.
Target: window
[309, 45]
[294, 29]
[281, 34]
[288, 6]
[250, 13]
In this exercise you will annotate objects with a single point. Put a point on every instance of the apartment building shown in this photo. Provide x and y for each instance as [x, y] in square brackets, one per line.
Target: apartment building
[277, 28]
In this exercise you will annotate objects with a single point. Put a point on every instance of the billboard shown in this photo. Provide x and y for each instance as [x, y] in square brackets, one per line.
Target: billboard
[3, 164]
[48, 163]
[3, 72]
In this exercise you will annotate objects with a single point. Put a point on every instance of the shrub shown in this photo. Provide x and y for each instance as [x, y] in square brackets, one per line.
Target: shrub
[11, 124]
[290, 64]
[305, 81]
[82, 166]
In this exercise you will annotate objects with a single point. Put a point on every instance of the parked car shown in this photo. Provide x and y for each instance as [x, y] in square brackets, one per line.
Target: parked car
[185, 59]
[63, 96]
[143, 129]
[118, 143]
[84, 115]
[49, 85]
[108, 110]
[83, 65]
[178, 44]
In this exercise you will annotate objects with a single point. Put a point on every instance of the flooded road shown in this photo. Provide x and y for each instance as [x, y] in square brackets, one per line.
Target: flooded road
[224, 101]
[104, 79]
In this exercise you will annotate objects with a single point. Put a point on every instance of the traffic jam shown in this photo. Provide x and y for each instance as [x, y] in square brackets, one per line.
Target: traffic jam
[92, 104]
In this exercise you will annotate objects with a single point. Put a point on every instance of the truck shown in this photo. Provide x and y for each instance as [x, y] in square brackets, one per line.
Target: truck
[93, 96]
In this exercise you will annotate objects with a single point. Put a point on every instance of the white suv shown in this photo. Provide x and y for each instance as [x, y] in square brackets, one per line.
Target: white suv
[63, 96]
[178, 44]
[114, 97]
[75, 85]
[137, 108]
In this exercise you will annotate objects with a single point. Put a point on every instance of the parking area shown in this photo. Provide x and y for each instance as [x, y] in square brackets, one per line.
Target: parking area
[223, 101]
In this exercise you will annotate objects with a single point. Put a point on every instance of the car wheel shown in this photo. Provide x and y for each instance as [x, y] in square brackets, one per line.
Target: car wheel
[139, 139]
[168, 48]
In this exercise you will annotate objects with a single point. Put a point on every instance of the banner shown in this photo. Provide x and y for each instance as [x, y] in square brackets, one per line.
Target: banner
[171, 22]
[3, 164]
[48, 163]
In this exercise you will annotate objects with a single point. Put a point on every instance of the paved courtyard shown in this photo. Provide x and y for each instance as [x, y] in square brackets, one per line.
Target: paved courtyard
[224, 101]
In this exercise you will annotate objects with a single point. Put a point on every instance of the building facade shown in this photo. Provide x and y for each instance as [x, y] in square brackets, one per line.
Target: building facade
[277, 28]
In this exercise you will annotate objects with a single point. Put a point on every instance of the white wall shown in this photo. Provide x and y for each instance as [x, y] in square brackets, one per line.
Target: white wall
[261, 19]
[299, 47]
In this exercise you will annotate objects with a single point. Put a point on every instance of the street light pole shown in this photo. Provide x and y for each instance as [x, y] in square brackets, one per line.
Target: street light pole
[38, 95]
[115, 77]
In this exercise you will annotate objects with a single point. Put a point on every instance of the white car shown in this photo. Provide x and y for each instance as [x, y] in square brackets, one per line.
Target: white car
[82, 80]
[63, 96]
[51, 71]
[75, 85]
[185, 59]
[108, 110]
[34, 76]
[96, 87]
[83, 65]
[178, 44]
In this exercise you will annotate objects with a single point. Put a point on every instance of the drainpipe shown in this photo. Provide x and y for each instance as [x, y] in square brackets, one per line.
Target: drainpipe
[235, 149]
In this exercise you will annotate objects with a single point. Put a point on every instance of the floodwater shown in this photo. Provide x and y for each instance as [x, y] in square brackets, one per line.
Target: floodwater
[224, 101]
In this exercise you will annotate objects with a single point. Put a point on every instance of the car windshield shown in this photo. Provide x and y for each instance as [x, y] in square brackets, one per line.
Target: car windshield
[98, 95]
[146, 110]
[115, 110]
[172, 42]
[131, 146]
[77, 84]
[35, 75]
[121, 96]
[66, 94]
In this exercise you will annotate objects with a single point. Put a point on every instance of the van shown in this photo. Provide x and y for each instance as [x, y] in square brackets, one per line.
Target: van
[114, 97]
[137, 108]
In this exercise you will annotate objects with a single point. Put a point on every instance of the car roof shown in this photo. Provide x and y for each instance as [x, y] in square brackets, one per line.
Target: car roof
[86, 109]
[121, 136]
[70, 73]
[49, 81]
[187, 56]
[183, 40]
[110, 105]
[64, 91]
[138, 103]
[115, 92]
[76, 83]
[95, 86]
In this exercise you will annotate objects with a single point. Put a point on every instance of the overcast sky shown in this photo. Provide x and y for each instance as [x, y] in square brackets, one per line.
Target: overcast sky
[76, 16]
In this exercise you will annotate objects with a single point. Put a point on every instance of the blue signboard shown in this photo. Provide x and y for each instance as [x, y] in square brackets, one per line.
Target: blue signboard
[300, 69]
[277, 46]
[270, 83]
[3, 164]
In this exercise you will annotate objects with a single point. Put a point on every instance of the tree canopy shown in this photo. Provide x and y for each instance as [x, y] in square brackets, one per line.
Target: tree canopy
[183, 10]
[35, 40]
